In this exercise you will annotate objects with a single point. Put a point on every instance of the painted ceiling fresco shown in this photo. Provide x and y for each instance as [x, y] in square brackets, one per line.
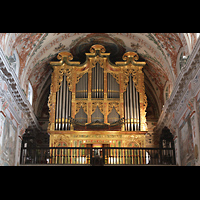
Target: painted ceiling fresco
[160, 50]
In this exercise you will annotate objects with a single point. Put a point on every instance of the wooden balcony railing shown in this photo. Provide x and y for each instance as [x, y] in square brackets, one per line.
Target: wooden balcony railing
[97, 156]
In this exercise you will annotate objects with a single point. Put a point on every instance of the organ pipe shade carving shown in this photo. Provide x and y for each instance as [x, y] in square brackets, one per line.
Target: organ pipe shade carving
[97, 90]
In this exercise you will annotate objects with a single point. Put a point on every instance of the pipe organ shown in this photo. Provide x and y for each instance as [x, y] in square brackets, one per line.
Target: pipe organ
[109, 98]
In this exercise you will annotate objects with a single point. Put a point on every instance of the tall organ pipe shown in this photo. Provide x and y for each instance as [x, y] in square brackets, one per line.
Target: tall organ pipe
[60, 105]
[85, 86]
[102, 82]
[128, 106]
[134, 103]
[131, 102]
[66, 113]
[110, 87]
[97, 78]
[64, 102]
[57, 108]
[69, 110]
[137, 110]
[125, 110]
[108, 75]
[95, 83]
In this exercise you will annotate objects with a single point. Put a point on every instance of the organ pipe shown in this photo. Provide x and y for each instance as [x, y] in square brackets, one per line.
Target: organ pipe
[128, 106]
[113, 87]
[97, 82]
[60, 105]
[63, 107]
[131, 107]
[137, 111]
[69, 110]
[131, 102]
[125, 110]
[66, 113]
[134, 104]
[57, 107]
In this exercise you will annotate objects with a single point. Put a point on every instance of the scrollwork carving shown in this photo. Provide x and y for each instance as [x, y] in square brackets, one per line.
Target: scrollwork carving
[99, 104]
[78, 106]
[129, 55]
[96, 48]
[114, 104]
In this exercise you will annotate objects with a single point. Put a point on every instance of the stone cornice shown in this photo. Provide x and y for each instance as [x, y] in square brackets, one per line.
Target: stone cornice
[9, 76]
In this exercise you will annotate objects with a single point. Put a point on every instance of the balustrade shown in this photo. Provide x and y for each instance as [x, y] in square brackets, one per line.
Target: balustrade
[98, 156]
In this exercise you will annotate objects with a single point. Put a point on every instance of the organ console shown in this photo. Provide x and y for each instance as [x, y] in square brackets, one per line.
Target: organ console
[97, 92]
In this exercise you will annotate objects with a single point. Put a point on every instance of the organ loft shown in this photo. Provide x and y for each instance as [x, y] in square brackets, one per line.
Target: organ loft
[97, 103]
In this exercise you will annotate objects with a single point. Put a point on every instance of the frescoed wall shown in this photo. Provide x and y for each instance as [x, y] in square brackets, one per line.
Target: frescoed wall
[198, 113]
[186, 143]
[8, 143]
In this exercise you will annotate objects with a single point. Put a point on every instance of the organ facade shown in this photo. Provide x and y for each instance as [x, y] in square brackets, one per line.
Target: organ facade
[97, 103]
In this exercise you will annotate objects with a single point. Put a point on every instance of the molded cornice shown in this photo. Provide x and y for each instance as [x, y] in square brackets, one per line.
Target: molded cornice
[9, 76]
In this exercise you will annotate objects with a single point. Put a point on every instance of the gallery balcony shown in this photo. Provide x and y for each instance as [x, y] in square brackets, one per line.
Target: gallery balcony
[88, 156]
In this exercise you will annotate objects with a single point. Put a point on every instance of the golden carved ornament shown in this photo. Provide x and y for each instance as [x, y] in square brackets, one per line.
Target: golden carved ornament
[114, 104]
[129, 55]
[97, 47]
[99, 104]
[79, 104]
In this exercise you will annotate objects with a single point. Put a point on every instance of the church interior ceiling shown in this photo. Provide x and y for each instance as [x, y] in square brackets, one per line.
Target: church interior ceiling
[161, 52]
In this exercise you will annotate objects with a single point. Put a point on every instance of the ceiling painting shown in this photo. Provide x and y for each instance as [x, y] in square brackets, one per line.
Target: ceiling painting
[159, 50]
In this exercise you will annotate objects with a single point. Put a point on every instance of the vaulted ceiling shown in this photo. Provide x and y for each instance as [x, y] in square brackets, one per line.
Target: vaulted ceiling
[161, 51]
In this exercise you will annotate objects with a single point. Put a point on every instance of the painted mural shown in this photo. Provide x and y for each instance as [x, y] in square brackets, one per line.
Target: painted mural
[7, 142]
[2, 120]
[186, 143]
[198, 113]
[114, 46]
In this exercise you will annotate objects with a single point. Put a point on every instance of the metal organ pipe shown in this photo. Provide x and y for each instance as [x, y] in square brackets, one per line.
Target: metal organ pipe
[131, 107]
[131, 102]
[60, 105]
[125, 114]
[134, 104]
[64, 102]
[128, 106]
[69, 109]
[97, 77]
[66, 113]
[86, 77]
[102, 81]
[137, 110]
[57, 108]
[95, 83]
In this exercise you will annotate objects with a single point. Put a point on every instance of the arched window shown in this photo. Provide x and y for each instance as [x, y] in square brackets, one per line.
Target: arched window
[30, 93]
